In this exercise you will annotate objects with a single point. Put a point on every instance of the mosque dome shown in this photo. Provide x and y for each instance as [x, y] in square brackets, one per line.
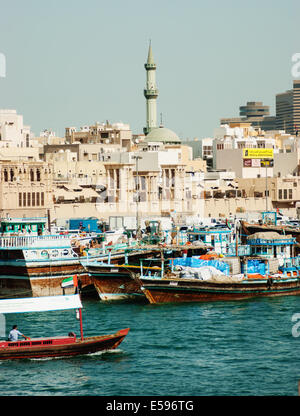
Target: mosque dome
[164, 135]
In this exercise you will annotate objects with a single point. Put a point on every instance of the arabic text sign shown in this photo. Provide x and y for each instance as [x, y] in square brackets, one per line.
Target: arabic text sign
[258, 153]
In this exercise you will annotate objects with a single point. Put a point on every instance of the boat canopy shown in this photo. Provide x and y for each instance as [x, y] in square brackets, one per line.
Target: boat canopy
[40, 304]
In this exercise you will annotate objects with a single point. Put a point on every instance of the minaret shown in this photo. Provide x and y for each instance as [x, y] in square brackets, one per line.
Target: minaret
[150, 93]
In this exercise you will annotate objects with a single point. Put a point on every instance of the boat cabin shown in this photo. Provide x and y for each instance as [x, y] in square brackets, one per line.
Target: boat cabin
[219, 238]
[271, 245]
[19, 226]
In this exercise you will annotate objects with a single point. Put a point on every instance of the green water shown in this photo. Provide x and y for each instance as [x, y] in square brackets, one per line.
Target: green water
[220, 348]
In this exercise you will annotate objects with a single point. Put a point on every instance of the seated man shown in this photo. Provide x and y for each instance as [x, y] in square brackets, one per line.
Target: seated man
[14, 333]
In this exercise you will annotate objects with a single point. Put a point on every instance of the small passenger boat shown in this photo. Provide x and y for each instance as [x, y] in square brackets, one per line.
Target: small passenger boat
[57, 346]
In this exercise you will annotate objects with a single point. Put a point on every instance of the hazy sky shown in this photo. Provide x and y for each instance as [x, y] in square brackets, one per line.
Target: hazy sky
[71, 62]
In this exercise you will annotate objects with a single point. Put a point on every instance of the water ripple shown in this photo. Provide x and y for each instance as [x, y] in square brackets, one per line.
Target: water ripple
[218, 348]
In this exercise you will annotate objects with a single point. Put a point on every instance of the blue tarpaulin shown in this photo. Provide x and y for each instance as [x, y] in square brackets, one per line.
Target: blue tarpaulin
[256, 267]
[195, 262]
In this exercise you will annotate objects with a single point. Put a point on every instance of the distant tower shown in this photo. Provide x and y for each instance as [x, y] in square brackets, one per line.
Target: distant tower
[151, 93]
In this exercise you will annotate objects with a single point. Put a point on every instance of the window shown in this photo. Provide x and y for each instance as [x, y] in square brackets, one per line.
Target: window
[285, 194]
[20, 199]
[143, 183]
[280, 194]
[5, 175]
[28, 199]
[33, 199]
[24, 344]
[167, 178]
[42, 199]
[111, 178]
[38, 175]
[290, 194]
[172, 177]
[31, 175]
[207, 150]
[37, 199]
[11, 175]
[24, 199]
[118, 178]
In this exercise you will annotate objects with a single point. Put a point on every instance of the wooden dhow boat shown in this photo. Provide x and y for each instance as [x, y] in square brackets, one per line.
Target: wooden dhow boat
[191, 290]
[58, 346]
[119, 282]
[34, 262]
[210, 284]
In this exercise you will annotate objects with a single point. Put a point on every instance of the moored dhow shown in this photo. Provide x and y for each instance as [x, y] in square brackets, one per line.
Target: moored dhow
[34, 262]
[172, 288]
[119, 281]
[269, 271]
[36, 265]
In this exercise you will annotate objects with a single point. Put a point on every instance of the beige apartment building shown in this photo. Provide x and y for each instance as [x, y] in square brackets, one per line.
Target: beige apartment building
[101, 133]
[164, 178]
[283, 193]
[25, 189]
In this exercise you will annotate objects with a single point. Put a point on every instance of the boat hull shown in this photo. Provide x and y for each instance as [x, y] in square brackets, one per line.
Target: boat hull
[116, 281]
[114, 285]
[35, 286]
[75, 347]
[170, 291]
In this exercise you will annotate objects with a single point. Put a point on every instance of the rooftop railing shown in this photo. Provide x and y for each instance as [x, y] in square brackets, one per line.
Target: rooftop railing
[29, 241]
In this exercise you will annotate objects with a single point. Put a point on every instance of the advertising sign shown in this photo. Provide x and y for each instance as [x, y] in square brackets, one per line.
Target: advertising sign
[258, 153]
[267, 163]
[247, 163]
[256, 163]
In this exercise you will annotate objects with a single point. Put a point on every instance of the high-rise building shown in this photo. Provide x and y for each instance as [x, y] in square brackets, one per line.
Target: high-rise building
[296, 104]
[288, 109]
[254, 109]
[256, 113]
[151, 93]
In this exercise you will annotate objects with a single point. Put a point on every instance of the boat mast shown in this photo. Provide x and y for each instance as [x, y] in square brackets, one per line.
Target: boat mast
[81, 329]
[77, 291]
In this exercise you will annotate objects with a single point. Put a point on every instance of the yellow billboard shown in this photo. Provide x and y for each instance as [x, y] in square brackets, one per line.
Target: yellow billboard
[258, 153]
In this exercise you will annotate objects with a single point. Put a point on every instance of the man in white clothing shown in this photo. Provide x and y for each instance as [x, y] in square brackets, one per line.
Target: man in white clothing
[14, 333]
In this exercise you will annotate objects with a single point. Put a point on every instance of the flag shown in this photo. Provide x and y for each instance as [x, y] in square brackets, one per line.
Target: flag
[69, 282]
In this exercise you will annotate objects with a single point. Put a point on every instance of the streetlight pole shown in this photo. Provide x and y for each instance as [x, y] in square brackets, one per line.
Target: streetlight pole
[267, 164]
[266, 186]
[137, 188]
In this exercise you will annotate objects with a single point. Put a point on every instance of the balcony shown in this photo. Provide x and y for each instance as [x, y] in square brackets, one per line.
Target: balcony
[151, 93]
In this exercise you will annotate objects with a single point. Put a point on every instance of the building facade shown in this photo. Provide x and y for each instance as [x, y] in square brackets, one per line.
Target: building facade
[26, 189]
[288, 109]
[13, 133]
[255, 113]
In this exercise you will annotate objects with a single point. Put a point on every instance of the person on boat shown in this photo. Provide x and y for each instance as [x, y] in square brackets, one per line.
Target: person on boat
[14, 334]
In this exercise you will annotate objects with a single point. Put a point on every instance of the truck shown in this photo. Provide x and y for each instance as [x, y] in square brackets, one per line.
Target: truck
[85, 224]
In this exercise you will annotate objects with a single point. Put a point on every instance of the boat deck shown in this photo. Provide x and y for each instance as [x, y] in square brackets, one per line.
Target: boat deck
[32, 342]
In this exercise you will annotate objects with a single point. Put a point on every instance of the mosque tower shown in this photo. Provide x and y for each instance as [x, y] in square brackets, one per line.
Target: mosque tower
[151, 93]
